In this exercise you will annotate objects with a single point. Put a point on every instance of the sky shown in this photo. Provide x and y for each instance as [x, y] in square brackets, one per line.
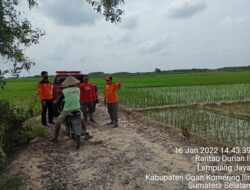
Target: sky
[165, 34]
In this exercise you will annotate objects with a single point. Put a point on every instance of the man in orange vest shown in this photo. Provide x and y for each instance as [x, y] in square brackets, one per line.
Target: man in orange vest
[45, 95]
[111, 99]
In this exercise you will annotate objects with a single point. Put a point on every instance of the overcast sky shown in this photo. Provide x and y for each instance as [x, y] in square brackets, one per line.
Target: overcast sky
[165, 34]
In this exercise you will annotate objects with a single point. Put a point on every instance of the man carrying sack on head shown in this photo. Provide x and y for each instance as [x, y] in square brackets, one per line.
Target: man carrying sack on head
[71, 96]
[111, 99]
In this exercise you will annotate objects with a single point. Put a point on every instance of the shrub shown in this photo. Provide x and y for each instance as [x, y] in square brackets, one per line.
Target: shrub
[11, 182]
[12, 131]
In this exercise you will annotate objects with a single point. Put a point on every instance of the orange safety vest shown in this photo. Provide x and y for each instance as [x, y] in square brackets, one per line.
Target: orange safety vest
[111, 92]
[45, 90]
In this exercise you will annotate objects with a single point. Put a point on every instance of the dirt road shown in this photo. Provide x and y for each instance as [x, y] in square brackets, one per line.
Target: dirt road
[122, 161]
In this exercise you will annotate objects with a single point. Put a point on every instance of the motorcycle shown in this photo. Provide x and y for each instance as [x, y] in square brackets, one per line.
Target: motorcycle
[74, 128]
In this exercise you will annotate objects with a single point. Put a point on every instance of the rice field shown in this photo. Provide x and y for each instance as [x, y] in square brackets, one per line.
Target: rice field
[183, 91]
[228, 123]
[239, 108]
[220, 127]
[147, 97]
[22, 93]
[144, 80]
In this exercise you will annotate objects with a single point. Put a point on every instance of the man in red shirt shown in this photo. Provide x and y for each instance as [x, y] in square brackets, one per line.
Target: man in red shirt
[45, 94]
[87, 98]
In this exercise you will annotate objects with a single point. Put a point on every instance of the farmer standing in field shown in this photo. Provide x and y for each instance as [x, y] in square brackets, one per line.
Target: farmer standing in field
[45, 94]
[71, 97]
[87, 98]
[111, 99]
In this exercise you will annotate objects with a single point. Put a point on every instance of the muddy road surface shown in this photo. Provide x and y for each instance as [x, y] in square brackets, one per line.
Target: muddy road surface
[116, 158]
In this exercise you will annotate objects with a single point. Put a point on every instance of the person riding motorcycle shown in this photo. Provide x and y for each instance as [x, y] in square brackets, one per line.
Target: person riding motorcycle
[71, 97]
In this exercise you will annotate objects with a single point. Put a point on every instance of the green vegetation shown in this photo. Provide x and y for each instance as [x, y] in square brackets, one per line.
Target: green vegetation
[14, 182]
[158, 89]
[239, 108]
[24, 89]
[22, 93]
[174, 79]
[13, 131]
[146, 97]
[221, 127]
